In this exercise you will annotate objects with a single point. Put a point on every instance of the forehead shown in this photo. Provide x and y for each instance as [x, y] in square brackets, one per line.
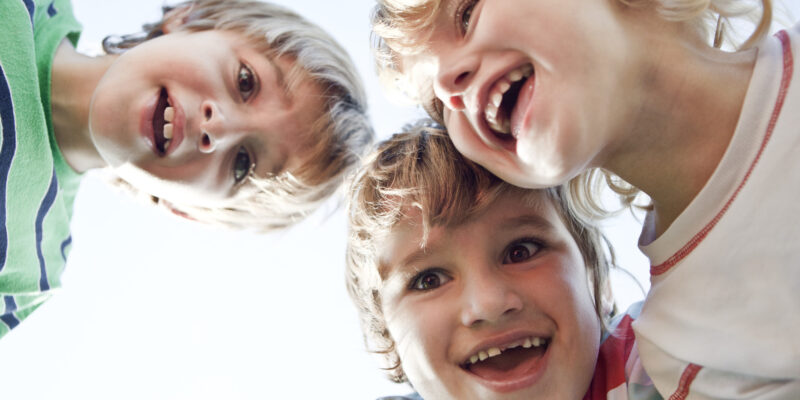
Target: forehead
[517, 209]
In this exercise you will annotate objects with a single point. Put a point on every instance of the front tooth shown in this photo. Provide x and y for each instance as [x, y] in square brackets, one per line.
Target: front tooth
[168, 131]
[527, 343]
[169, 114]
[537, 342]
[515, 75]
[482, 355]
[473, 359]
[497, 98]
[491, 112]
[504, 86]
[494, 351]
[166, 144]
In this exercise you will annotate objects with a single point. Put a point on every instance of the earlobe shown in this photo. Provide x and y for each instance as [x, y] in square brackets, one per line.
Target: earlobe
[175, 18]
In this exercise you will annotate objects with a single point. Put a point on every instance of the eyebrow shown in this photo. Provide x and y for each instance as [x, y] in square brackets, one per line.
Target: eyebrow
[531, 220]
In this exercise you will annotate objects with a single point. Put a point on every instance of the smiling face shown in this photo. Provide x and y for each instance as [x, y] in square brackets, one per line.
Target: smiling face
[496, 307]
[536, 91]
[188, 115]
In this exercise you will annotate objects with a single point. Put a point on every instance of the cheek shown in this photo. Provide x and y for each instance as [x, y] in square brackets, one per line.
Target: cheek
[555, 153]
[581, 324]
[419, 335]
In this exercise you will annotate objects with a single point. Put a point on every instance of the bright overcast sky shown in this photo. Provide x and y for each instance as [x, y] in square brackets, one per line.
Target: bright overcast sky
[158, 308]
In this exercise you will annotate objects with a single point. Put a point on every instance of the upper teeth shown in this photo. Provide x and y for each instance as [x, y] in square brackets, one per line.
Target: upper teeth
[496, 351]
[169, 115]
[498, 122]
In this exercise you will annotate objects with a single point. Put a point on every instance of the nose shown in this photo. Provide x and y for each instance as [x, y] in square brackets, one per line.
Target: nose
[488, 298]
[210, 128]
[455, 73]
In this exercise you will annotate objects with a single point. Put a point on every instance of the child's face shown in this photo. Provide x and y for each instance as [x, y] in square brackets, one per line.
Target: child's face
[557, 69]
[228, 107]
[505, 280]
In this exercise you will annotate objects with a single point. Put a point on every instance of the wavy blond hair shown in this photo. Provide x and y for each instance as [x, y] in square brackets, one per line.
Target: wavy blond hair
[421, 168]
[338, 136]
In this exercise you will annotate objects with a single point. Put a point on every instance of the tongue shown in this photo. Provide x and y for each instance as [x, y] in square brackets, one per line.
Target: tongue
[512, 364]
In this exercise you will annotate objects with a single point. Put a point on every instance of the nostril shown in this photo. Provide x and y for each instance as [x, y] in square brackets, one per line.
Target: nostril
[205, 141]
[208, 113]
[461, 78]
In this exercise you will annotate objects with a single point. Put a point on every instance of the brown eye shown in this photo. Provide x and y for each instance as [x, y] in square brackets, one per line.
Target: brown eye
[521, 251]
[246, 82]
[428, 280]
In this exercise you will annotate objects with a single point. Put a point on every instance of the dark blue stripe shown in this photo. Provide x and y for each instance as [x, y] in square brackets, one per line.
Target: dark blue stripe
[6, 155]
[51, 9]
[11, 304]
[8, 318]
[31, 8]
[64, 245]
[49, 198]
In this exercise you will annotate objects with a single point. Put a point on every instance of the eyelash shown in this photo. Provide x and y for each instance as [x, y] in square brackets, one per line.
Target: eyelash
[538, 244]
[245, 76]
[417, 280]
[465, 11]
[242, 167]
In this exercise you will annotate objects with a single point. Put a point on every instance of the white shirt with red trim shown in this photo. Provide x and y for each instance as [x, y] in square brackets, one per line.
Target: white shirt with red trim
[722, 319]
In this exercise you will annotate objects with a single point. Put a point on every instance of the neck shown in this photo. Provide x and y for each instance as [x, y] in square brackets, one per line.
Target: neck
[74, 78]
[690, 96]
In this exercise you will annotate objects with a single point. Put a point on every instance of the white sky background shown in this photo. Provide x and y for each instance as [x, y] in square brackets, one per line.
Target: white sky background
[154, 307]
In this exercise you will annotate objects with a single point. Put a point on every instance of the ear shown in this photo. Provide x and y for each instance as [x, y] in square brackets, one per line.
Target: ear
[175, 18]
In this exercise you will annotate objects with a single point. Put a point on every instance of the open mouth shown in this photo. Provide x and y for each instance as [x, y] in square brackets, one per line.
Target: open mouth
[503, 98]
[162, 123]
[511, 362]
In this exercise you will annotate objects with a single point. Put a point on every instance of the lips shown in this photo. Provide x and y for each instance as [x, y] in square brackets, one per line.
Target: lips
[509, 367]
[503, 99]
[162, 123]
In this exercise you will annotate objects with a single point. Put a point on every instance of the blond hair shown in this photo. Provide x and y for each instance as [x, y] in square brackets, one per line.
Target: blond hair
[421, 168]
[338, 136]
